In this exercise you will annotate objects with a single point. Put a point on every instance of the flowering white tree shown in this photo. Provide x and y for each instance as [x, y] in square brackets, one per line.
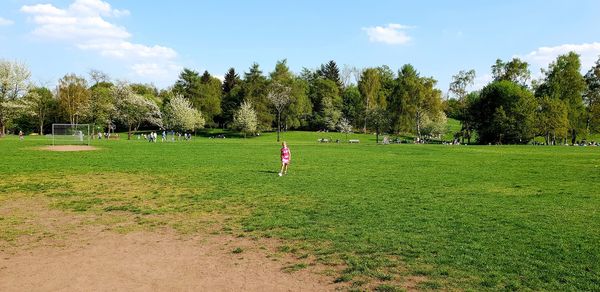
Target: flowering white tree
[14, 83]
[344, 126]
[133, 109]
[181, 115]
[244, 119]
[435, 125]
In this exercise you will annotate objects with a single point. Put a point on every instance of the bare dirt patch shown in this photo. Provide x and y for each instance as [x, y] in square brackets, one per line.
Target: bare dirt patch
[50, 250]
[68, 148]
[143, 261]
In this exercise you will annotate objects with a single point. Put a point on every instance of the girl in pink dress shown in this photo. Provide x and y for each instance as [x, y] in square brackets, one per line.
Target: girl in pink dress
[286, 157]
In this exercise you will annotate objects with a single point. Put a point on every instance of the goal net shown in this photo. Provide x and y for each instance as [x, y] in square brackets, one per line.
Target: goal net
[70, 134]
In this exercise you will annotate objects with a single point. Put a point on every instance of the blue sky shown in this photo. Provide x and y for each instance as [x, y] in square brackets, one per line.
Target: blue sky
[151, 41]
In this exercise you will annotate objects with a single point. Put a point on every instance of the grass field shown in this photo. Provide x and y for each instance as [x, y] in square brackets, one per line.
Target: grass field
[453, 217]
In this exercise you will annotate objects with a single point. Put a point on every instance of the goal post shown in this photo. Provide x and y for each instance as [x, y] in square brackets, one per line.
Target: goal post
[71, 134]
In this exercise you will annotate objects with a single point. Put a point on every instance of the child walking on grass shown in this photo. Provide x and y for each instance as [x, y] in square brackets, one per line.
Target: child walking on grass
[286, 157]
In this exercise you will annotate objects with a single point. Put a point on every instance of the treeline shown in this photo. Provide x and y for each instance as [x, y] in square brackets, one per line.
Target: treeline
[511, 109]
[562, 107]
[326, 98]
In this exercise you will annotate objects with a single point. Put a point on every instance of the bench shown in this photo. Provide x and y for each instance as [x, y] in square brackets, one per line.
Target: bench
[353, 141]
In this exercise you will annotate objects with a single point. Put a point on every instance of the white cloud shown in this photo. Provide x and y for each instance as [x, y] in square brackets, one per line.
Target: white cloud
[6, 22]
[86, 25]
[392, 34]
[154, 70]
[125, 50]
[543, 56]
[46, 9]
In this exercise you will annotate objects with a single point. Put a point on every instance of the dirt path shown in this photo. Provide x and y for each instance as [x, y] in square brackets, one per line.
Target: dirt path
[157, 261]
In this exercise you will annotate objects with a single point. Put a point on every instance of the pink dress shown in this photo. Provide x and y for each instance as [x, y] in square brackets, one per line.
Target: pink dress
[285, 155]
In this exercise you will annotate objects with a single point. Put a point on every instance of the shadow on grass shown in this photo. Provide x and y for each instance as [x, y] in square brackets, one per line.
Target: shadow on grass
[268, 171]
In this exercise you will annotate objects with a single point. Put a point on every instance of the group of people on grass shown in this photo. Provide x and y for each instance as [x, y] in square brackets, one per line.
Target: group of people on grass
[106, 135]
[175, 136]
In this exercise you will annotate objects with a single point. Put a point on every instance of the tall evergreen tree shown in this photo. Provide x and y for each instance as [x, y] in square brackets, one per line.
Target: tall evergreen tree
[230, 81]
[255, 91]
[231, 96]
[331, 71]
[188, 85]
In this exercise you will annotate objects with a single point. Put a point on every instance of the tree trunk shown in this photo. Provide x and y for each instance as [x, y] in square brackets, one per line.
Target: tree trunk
[278, 124]
[42, 128]
[129, 133]
[573, 136]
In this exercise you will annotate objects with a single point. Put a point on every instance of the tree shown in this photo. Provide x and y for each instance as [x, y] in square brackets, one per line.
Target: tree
[458, 89]
[413, 100]
[406, 94]
[209, 99]
[102, 104]
[378, 121]
[231, 96]
[427, 106]
[188, 85]
[98, 76]
[42, 103]
[204, 92]
[14, 83]
[244, 119]
[369, 86]
[591, 98]
[255, 90]
[563, 81]
[331, 72]
[515, 70]
[435, 124]
[352, 105]
[299, 108]
[344, 126]
[279, 95]
[388, 83]
[133, 109]
[552, 120]
[460, 82]
[327, 103]
[504, 113]
[179, 114]
[73, 97]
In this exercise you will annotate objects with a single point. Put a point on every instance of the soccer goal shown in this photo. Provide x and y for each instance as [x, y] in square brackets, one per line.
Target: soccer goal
[71, 134]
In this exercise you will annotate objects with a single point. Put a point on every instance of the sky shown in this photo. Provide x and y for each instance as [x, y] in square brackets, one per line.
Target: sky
[152, 41]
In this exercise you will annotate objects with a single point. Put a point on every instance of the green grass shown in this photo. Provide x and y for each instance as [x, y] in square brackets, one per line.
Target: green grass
[461, 217]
